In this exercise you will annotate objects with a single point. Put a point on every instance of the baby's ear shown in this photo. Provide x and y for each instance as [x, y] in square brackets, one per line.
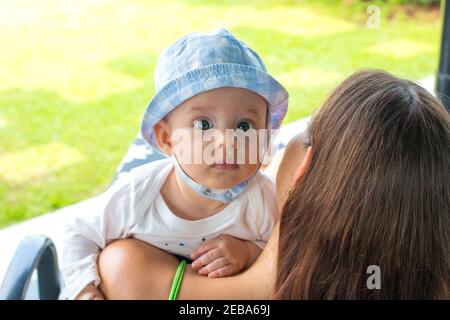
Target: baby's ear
[161, 131]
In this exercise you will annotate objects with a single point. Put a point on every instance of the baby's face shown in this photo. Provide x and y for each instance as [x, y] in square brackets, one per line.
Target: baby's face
[202, 130]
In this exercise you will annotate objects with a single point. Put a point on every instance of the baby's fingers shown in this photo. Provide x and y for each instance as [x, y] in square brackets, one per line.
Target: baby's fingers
[213, 266]
[204, 247]
[207, 258]
[225, 271]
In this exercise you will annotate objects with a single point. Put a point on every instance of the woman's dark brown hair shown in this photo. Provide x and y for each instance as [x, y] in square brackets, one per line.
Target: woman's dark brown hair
[377, 193]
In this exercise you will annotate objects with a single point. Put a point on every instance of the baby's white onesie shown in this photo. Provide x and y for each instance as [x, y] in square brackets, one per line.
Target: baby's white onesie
[133, 207]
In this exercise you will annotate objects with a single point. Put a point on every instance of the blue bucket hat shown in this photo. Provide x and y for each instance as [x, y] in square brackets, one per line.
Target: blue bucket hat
[202, 61]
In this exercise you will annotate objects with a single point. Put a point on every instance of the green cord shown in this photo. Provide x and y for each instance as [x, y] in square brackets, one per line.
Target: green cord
[177, 280]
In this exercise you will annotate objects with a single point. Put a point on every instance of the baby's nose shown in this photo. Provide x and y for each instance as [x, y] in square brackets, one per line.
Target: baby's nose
[227, 144]
[227, 139]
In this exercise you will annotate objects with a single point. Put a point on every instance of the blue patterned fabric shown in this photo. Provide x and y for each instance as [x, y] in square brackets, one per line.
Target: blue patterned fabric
[199, 62]
[138, 154]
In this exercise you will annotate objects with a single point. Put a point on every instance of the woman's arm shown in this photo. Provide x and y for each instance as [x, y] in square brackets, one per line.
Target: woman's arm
[132, 269]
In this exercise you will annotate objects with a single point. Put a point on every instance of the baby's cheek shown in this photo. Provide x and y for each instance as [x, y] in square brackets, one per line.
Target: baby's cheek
[254, 151]
[183, 145]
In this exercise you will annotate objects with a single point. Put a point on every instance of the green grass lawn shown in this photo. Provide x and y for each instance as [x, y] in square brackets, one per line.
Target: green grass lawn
[75, 76]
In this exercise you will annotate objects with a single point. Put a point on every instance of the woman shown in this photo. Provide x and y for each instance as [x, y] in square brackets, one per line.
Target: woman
[373, 188]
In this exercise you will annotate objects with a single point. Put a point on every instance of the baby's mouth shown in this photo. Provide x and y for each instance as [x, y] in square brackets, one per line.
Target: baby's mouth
[225, 166]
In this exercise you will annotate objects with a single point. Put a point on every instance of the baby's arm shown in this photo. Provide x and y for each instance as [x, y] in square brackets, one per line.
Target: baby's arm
[104, 220]
[224, 256]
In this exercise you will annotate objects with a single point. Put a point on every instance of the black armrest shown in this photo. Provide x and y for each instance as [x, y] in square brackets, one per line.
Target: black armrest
[443, 76]
[35, 252]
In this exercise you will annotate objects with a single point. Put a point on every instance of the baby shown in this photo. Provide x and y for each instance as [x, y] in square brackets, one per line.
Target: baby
[214, 207]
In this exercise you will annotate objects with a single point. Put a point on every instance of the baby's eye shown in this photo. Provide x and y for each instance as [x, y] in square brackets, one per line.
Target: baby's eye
[244, 125]
[203, 124]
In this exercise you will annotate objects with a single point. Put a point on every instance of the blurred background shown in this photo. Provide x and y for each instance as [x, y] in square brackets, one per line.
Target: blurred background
[76, 76]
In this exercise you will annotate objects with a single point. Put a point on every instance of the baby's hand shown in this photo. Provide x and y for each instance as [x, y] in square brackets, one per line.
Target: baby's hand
[90, 292]
[223, 256]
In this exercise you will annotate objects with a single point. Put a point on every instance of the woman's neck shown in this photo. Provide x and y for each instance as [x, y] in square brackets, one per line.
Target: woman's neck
[185, 202]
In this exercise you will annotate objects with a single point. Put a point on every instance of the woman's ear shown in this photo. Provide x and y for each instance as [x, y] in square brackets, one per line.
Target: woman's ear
[161, 131]
[303, 167]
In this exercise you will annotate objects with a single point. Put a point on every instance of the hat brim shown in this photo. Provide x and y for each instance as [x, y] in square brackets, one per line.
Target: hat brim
[211, 77]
